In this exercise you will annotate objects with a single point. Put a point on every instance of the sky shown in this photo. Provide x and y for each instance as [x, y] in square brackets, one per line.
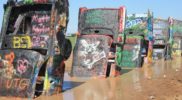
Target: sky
[160, 8]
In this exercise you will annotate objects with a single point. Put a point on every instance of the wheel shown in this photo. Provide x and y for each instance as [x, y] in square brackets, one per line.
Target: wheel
[67, 49]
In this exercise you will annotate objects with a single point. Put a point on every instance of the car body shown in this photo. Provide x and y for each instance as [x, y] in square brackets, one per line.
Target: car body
[137, 40]
[95, 49]
[33, 47]
[160, 31]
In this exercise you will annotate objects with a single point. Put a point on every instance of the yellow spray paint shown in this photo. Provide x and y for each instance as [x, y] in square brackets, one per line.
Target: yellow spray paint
[176, 48]
[176, 52]
[46, 83]
[150, 51]
[22, 42]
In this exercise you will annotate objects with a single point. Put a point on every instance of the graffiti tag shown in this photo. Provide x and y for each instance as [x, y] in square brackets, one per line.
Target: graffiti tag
[17, 83]
[36, 29]
[21, 42]
[91, 53]
[40, 23]
[39, 41]
[131, 23]
[22, 65]
[40, 19]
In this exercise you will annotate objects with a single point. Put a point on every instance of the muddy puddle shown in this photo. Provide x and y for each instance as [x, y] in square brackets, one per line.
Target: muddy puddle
[161, 80]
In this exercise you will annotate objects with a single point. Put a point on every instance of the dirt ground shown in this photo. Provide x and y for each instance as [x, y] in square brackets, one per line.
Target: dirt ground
[161, 80]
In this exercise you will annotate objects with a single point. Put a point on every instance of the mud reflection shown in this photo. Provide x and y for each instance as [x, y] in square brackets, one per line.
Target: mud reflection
[139, 84]
[124, 87]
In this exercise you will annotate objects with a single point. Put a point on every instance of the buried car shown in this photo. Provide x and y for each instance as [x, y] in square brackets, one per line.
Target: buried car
[95, 50]
[33, 47]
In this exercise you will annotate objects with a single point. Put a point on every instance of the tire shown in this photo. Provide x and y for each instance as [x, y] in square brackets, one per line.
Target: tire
[67, 49]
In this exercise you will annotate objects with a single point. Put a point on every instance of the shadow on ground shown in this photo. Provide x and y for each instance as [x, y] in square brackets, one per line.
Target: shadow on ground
[67, 85]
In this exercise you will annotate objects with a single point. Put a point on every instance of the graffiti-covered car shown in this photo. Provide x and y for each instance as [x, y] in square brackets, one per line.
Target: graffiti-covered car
[177, 38]
[138, 40]
[95, 49]
[160, 31]
[33, 47]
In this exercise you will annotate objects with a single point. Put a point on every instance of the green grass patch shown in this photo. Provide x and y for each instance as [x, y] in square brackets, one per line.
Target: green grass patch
[73, 39]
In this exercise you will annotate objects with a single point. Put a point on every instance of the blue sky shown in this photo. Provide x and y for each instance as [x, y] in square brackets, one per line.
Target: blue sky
[161, 8]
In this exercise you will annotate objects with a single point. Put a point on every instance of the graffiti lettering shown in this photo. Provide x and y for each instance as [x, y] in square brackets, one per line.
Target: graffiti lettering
[131, 23]
[40, 19]
[39, 41]
[40, 23]
[40, 29]
[20, 84]
[21, 42]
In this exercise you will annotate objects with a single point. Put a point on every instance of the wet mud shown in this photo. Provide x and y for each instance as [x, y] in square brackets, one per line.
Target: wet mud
[161, 80]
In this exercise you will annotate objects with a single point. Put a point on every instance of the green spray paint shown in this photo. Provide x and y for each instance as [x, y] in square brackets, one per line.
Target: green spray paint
[118, 56]
[93, 17]
[28, 1]
[126, 60]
